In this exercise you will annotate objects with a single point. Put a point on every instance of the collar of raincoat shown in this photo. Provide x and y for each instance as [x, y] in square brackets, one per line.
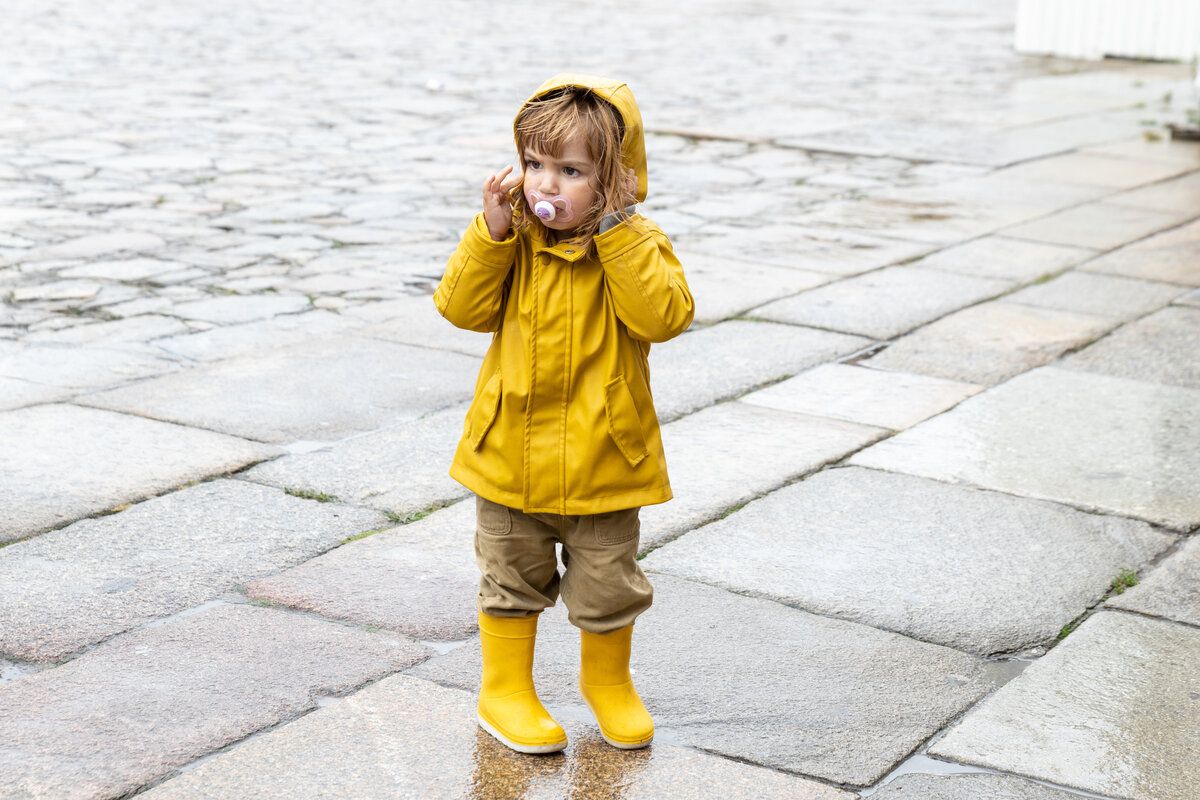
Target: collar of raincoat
[565, 250]
[633, 146]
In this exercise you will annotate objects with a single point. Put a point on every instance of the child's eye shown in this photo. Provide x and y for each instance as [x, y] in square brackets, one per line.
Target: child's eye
[571, 172]
[533, 164]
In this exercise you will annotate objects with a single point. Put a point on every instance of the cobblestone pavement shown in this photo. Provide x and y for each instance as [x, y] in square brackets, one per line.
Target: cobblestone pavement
[934, 434]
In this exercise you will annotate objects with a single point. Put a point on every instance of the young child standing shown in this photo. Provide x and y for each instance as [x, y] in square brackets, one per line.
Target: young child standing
[561, 443]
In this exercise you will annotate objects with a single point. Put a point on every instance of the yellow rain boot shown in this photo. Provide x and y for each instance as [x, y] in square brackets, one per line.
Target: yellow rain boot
[509, 708]
[607, 687]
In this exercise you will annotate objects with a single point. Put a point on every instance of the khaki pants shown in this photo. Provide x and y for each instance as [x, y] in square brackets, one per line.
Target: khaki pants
[602, 585]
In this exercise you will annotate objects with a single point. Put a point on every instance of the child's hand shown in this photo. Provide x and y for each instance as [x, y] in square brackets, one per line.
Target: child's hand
[497, 209]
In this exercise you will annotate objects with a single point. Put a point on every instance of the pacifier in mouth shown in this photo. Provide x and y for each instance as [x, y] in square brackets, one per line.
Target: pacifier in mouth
[550, 207]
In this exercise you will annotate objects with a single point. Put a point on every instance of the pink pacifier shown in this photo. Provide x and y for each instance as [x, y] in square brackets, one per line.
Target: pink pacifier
[548, 208]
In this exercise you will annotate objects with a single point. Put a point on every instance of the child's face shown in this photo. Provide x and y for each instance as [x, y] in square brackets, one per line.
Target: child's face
[565, 181]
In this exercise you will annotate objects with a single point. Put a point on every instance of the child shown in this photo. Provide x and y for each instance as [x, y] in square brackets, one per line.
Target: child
[561, 443]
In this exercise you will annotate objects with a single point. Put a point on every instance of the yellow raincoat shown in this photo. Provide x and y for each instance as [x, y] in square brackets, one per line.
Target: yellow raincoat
[563, 421]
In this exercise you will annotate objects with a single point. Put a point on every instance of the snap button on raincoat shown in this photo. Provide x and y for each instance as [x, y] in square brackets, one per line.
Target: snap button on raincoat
[563, 419]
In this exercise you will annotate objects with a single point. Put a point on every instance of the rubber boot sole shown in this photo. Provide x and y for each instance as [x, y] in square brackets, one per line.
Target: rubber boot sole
[627, 745]
[532, 749]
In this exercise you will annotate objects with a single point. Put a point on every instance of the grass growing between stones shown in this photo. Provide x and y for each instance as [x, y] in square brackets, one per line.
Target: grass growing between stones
[413, 516]
[309, 494]
[1124, 580]
[356, 537]
[1127, 579]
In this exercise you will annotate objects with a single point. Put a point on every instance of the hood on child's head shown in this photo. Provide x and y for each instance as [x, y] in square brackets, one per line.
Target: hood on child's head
[633, 145]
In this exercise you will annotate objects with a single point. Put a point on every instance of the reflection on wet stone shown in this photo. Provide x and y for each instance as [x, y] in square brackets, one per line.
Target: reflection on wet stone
[404, 737]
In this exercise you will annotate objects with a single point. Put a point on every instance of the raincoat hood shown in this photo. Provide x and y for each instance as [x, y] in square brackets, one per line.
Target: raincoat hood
[633, 146]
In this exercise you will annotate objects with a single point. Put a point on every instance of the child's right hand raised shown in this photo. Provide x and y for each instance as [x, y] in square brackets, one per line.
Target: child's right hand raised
[497, 209]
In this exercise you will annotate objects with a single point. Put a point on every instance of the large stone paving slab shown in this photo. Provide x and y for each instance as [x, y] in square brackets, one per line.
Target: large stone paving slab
[728, 454]
[1172, 256]
[726, 287]
[100, 577]
[63, 462]
[905, 554]
[1005, 258]
[881, 398]
[1099, 169]
[1102, 225]
[415, 320]
[418, 579]
[884, 303]
[230, 341]
[404, 737]
[990, 342]
[702, 367]
[1094, 441]
[316, 391]
[144, 704]
[77, 368]
[1171, 589]
[968, 787]
[1100, 295]
[15, 393]
[403, 468]
[760, 682]
[1161, 348]
[1111, 710]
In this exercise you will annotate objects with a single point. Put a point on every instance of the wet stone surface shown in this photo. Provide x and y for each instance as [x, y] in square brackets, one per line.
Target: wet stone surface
[248, 244]
[415, 321]
[401, 468]
[149, 702]
[968, 787]
[1100, 295]
[1170, 590]
[100, 577]
[1093, 441]
[63, 462]
[859, 699]
[1172, 257]
[1160, 348]
[905, 554]
[320, 391]
[405, 737]
[895, 400]
[418, 579]
[704, 366]
[16, 393]
[231, 341]
[1102, 226]
[1067, 718]
[1008, 259]
[70, 367]
[726, 287]
[882, 304]
[990, 342]
[726, 455]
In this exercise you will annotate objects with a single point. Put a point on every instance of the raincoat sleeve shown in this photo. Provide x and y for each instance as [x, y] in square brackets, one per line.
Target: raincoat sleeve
[471, 294]
[646, 280]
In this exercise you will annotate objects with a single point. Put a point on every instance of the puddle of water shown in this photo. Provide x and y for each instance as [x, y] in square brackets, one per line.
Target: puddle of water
[11, 670]
[1001, 671]
[924, 765]
[441, 648]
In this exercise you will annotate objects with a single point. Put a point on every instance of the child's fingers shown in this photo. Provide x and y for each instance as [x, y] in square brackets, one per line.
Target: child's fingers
[511, 182]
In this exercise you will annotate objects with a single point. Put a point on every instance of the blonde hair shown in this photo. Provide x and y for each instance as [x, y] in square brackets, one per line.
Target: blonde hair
[548, 124]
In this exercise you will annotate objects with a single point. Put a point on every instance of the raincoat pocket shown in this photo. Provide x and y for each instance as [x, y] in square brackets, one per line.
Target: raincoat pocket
[483, 412]
[624, 426]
